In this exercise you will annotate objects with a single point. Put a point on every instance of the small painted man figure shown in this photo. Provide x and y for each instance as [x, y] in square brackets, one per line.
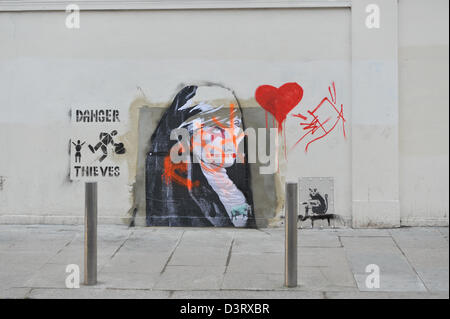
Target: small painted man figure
[78, 147]
[105, 140]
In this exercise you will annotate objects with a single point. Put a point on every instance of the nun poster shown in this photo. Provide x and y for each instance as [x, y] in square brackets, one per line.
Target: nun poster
[211, 185]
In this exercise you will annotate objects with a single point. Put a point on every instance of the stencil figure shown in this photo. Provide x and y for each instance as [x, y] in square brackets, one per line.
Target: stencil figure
[78, 147]
[105, 140]
[317, 204]
[316, 207]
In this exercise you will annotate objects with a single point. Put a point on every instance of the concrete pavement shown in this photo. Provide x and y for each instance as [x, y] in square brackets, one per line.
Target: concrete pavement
[224, 263]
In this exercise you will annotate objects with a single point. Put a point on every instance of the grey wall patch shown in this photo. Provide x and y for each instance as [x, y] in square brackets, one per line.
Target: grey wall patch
[2, 182]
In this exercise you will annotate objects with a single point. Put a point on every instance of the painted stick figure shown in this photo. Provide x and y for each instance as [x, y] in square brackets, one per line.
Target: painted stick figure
[105, 140]
[78, 147]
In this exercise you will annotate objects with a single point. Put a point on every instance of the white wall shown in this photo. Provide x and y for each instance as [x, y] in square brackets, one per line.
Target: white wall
[424, 116]
[47, 69]
[117, 58]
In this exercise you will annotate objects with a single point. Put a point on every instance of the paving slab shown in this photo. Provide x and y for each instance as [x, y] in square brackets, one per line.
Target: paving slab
[127, 280]
[384, 295]
[322, 256]
[308, 237]
[419, 237]
[257, 243]
[138, 262]
[350, 232]
[74, 254]
[15, 279]
[396, 274]
[98, 293]
[432, 265]
[163, 262]
[393, 282]
[435, 280]
[153, 240]
[318, 238]
[49, 276]
[427, 251]
[14, 293]
[205, 238]
[35, 242]
[312, 278]
[339, 277]
[17, 268]
[272, 263]
[253, 281]
[246, 294]
[18, 261]
[205, 256]
[190, 278]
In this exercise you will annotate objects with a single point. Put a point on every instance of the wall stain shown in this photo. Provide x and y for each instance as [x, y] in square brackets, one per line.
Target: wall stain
[132, 141]
[2, 182]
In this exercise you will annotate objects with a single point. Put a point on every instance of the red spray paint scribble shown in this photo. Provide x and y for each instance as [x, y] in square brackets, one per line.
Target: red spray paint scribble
[177, 173]
[279, 101]
[211, 151]
[316, 124]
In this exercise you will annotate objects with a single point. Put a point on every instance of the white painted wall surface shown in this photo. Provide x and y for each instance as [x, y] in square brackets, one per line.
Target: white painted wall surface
[116, 57]
[375, 184]
[424, 111]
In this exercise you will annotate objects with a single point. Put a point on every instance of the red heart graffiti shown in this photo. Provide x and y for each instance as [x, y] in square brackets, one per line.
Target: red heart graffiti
[279, 101]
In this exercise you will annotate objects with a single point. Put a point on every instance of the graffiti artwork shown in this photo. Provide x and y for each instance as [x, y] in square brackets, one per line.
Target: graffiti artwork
[197, 164]
[78, 146]
[210, 185]
[106, 139]
[279, 101]
[98, 129]
[316, 199]
[319, 122]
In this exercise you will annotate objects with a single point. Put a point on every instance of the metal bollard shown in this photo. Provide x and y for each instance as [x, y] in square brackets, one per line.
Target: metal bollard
[90, 234]
[290, 271]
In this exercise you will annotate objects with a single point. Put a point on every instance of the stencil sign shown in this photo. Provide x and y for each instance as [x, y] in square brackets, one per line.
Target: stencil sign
[96, 151]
